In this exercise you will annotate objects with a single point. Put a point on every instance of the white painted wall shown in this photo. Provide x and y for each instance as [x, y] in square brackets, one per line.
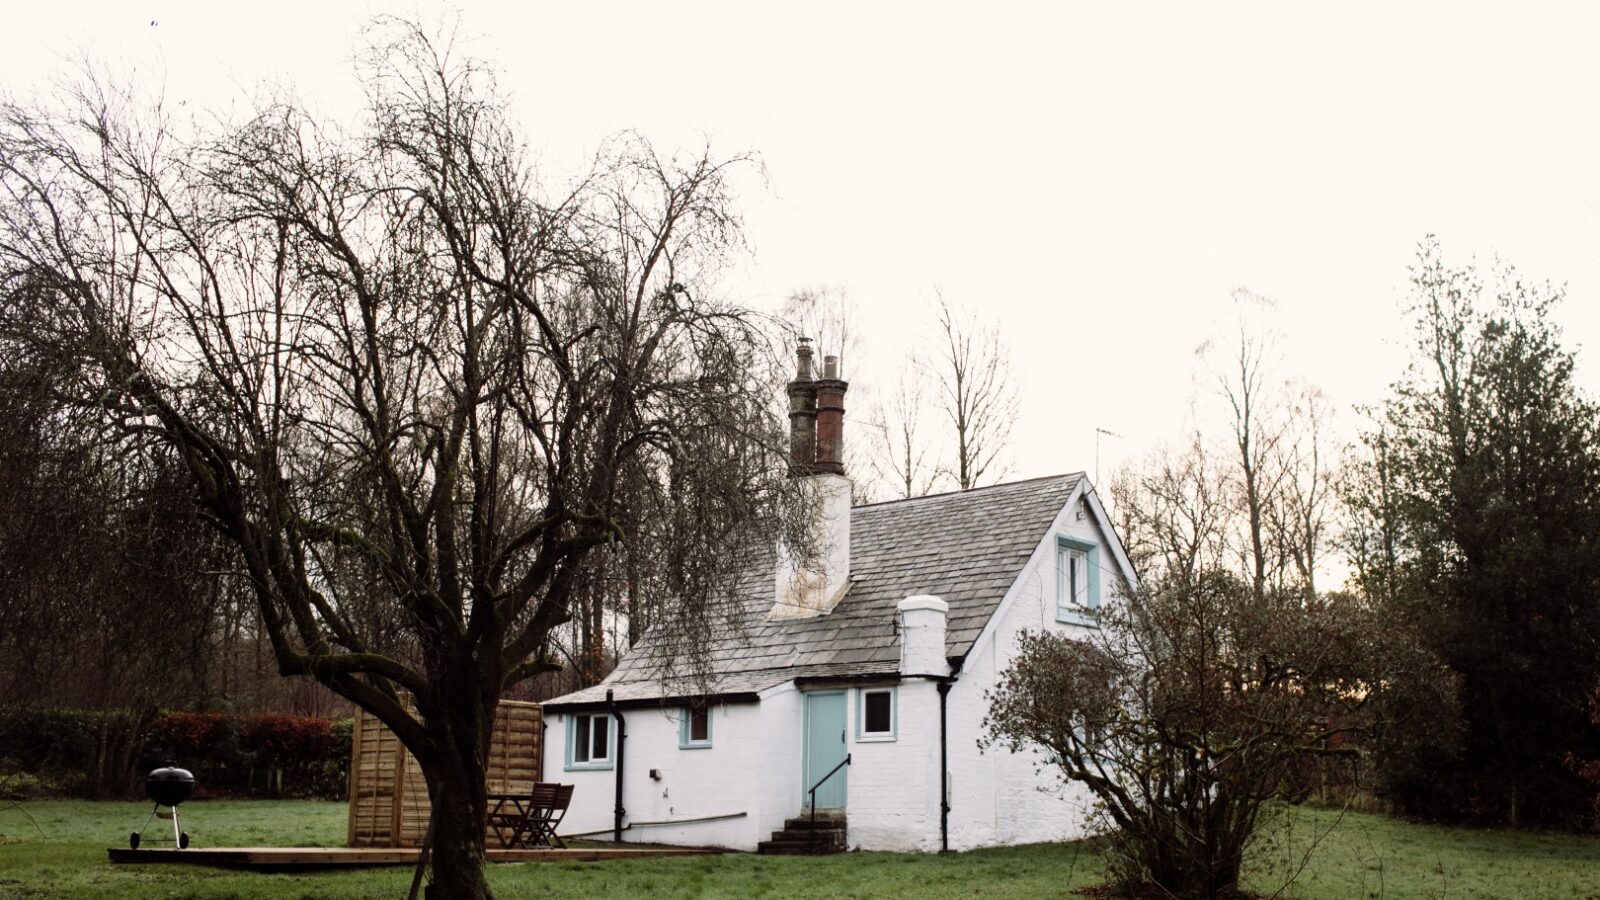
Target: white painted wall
[894, 785]
[781, 727]
[722, 779]
[998, 797]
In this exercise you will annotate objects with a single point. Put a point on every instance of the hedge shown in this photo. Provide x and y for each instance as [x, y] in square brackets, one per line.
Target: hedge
[105, 753]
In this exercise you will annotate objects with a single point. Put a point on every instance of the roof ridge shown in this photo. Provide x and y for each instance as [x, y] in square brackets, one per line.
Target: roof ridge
[960, 493]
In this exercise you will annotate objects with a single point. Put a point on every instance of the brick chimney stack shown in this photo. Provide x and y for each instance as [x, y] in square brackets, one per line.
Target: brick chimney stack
[830, 418]
[803, 414]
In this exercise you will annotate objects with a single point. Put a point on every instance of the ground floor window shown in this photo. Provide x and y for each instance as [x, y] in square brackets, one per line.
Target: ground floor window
[694, 729]
[875, 716]
[589, 741]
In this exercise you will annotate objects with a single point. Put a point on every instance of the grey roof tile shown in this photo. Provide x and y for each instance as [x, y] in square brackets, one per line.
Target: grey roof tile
[965, 547]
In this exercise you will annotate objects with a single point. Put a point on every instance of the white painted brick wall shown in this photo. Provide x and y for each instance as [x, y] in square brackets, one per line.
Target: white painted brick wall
[725, 778]
[999, 797]
[894, 785]
[780, 728]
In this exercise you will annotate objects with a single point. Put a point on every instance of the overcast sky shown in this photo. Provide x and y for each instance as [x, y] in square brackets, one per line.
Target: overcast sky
[1100, 177]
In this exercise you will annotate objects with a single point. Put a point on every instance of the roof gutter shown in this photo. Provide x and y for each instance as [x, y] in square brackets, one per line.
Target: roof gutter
[609, 704]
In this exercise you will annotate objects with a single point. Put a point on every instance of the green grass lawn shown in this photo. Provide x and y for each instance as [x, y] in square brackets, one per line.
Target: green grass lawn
[1359, 856]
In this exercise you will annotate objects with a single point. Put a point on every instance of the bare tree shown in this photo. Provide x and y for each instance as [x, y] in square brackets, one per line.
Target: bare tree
[397, 371]
[1244, 374]
[1258, 496]
[902, 453]
[971, 371]
[825, 315]
[1305, 517]
[1172, 512]
[88, 534]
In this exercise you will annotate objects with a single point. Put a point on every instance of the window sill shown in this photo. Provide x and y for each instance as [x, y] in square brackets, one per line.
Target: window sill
[875, 738]
[1084, 617]
[588, 767]
[698, 745]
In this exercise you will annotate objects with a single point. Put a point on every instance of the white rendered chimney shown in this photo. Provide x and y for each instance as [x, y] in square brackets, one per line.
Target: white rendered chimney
[814, 587]
[922, 624]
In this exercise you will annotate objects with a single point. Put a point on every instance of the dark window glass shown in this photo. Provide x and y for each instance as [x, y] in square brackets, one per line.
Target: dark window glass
[601, 734]
[879, 712]
[700, 725]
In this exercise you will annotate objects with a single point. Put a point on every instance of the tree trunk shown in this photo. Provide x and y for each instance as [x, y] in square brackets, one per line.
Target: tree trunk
[458, 729]
[458, 845]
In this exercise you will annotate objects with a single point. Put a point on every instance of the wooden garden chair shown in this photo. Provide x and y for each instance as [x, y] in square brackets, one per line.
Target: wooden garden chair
[545, 818]
[530, 820]
[509, 817]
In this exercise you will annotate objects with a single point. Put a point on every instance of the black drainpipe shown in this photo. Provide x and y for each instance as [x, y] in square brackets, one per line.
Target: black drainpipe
[944, 769]
[622, 739]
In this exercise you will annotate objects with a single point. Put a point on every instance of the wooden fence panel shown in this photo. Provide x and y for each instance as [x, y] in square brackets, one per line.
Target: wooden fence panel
[389, 797]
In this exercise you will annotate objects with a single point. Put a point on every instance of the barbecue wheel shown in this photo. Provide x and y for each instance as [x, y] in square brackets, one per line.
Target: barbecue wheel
[183, 841]
[133, 841]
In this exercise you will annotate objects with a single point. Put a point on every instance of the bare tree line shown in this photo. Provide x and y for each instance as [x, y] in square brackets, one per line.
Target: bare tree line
[1252, 489]
[943, 420]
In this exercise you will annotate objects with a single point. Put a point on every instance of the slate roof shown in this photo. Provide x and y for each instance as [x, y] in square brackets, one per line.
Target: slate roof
[966, 548]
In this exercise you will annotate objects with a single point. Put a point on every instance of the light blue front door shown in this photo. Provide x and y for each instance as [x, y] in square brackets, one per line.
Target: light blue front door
[825, 748]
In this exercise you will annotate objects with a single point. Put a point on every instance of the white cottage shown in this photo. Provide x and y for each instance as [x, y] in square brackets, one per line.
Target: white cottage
[863, 678]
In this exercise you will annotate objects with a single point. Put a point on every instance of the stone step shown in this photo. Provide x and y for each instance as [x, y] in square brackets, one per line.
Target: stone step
[771, 848]
[819, 836]
[803, 823]
[797, 848]
[801, 836]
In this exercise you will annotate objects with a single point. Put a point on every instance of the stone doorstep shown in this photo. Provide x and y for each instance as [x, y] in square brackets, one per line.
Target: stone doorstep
[800, 837]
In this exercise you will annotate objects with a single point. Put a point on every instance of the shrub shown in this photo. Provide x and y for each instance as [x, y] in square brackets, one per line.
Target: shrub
[193, 735]
[90, 751]
[22, 786]
[306, 750]
[1197, 704]
[1586, 763]
[93, 753]
[280, 740]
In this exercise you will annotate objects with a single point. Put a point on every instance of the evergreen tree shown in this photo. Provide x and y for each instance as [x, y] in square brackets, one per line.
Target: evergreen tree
[1478, 520]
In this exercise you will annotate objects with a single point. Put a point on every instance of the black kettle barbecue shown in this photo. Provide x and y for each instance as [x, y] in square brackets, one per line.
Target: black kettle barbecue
[168, 787]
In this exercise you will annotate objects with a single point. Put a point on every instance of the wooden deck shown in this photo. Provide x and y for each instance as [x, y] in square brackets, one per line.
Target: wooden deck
[280, 858]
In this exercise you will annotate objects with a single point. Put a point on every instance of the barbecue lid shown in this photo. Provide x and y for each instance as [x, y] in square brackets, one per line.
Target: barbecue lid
[170, 775]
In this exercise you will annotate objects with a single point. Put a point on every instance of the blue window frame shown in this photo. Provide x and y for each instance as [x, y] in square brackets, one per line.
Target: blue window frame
[694, 727]
[590, 739]
[877, 714]
[1077, 581]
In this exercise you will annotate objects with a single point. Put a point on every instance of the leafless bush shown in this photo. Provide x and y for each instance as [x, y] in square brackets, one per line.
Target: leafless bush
[1197, 704]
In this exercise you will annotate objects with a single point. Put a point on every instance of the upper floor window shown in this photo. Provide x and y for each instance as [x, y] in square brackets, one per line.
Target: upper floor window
[1077, 581]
